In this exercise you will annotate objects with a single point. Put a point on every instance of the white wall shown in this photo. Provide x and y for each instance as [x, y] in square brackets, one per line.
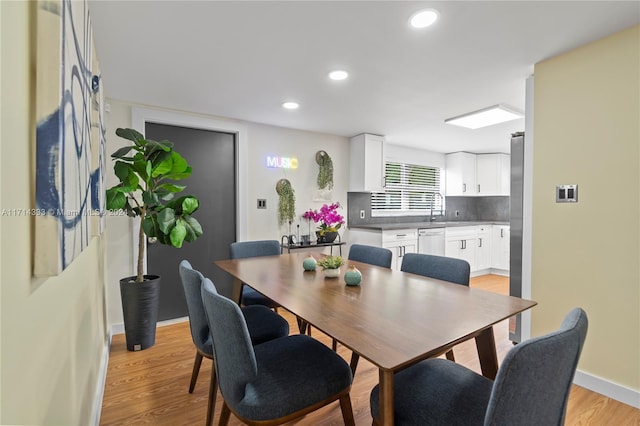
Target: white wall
[258, 181]
[403, 154]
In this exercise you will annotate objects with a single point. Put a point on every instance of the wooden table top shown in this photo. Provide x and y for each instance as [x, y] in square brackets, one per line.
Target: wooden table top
[393, 318]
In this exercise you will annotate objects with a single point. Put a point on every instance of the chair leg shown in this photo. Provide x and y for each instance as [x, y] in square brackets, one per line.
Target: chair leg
[224, 415]
[334, 345]
[450, 356]
[213, 387]
[354, 363]
[347, 410]
[196, 370]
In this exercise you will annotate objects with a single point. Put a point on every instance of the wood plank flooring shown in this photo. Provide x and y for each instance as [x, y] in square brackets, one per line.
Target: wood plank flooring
[151, 386]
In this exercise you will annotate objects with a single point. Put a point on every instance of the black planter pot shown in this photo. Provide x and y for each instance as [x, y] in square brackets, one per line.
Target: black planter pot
[140, 311]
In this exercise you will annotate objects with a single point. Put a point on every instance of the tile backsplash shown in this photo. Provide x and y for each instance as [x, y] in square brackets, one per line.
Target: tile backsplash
[493, 209]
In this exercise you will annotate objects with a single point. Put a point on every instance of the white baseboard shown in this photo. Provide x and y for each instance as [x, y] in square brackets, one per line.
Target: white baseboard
[607, 388]
[101, 383]
[119, 327]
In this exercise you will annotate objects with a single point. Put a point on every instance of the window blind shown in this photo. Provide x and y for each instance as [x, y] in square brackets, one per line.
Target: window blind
[409, 188]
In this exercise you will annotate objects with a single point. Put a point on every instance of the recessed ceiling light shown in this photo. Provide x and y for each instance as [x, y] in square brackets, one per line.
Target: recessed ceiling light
[485, 117]
[290, 105]
[338, 75]
[423, 18]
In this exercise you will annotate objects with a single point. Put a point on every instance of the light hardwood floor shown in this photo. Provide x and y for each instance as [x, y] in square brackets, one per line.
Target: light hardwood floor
[151, 386]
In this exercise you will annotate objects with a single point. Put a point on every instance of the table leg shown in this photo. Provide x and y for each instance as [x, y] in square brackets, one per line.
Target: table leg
[236, 291]
[386, 397]
[486, 345]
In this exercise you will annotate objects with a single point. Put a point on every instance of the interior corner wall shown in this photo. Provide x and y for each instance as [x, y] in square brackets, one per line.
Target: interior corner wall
[587, 132]
[53, 331]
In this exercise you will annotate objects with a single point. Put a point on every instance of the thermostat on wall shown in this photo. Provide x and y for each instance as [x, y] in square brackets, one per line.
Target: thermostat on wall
[567, 194]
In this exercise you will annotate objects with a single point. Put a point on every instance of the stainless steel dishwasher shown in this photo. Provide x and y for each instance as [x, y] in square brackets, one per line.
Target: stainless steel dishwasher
[431, 241]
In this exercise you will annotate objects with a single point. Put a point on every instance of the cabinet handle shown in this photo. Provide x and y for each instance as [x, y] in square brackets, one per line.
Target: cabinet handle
[464, 187]
[479, 242]
[501, 232]
[384, 181]
[478, 188]
[401, 235]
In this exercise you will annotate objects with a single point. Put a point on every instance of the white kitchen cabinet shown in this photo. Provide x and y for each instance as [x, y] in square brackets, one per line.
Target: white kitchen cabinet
[460, 173]
[366, 171]
[400, 242]
[493, 174]
[477, 174]
[500, 247]
[483, 248]
[461, 243]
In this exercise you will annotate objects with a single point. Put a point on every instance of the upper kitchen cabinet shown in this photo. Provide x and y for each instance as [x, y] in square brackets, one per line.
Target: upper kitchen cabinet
[493, 174]
[461, 173]
[477, 174]
[366, 171]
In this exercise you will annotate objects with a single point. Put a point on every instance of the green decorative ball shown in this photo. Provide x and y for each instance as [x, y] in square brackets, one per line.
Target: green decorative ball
[352, 276]
[309, 264]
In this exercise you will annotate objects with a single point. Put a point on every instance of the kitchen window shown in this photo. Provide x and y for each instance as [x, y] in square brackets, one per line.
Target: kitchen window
[409, 189]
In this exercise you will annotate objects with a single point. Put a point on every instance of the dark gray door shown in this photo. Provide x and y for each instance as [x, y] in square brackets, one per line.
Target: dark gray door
[213, 181]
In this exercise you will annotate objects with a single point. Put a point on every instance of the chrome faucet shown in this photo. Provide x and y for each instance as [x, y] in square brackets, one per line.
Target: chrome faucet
[433, 203]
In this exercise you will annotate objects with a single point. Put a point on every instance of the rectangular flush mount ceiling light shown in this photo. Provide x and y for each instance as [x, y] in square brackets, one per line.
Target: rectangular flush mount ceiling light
[485, 117]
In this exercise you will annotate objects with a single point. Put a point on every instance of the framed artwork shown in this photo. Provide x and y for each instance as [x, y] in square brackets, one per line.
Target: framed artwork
[70, 136]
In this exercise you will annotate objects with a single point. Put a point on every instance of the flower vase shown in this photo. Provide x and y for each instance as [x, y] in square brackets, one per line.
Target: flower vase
[331, 273]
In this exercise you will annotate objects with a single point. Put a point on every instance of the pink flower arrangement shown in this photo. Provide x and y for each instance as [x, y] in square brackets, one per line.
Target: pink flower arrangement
[328, 216]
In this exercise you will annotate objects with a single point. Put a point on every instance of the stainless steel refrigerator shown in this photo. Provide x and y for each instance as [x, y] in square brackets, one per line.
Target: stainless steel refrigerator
[515, 242]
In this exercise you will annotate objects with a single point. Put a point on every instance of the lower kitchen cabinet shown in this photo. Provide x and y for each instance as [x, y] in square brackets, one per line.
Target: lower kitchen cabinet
[483, 248]
[500, 247]
[461, 243]
[400, 242]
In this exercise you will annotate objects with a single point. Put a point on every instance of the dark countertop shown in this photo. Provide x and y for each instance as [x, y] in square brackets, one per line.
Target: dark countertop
[423, 225]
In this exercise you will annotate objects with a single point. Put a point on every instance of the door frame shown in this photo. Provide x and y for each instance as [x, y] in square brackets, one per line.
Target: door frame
[140, 116]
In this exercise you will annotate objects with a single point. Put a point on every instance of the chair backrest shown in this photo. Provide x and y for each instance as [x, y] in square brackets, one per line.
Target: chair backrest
[438, 267]
[191, 283]
[370, 254]
[244, 249]
[533, 382]
[234, 357]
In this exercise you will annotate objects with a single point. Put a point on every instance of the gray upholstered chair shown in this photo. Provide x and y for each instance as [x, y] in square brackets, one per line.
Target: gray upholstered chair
[372, 255]
[263, 325]
[245, 249]
[531, 388]
[439, 267]
[276, 381]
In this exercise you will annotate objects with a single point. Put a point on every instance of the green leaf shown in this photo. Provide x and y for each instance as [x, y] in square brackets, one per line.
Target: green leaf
[131, 134]
[115, 199]
[149, 226]
[150, 198]
[121, 152]
[166, 219]
[180, 176]
[179, 164]
[194, 230]
[169, 187]
[162, 167]
[147, 170]
[190, 204]
[178, 233]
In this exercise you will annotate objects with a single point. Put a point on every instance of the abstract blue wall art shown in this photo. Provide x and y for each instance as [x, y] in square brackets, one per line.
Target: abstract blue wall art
[70, 136]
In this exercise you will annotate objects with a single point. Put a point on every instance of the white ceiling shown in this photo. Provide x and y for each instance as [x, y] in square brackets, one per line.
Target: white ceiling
[242, 59]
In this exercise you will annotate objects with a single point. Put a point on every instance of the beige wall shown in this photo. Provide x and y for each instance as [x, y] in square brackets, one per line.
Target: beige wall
[587, 132]
[52, 330]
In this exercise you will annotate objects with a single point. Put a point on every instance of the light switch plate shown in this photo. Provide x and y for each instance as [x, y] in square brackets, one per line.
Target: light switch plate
[567, 193]
[262, 203]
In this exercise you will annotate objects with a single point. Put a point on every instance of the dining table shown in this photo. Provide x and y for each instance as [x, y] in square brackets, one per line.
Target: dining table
[393, 319]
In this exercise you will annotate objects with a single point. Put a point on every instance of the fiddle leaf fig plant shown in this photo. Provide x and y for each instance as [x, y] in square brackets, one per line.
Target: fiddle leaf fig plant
[147, 171]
